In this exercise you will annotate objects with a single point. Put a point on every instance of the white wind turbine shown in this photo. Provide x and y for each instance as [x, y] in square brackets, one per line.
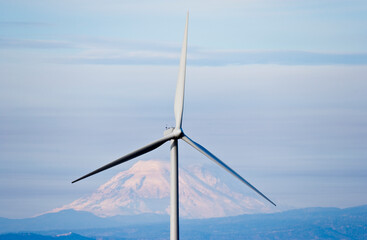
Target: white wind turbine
[174, 134]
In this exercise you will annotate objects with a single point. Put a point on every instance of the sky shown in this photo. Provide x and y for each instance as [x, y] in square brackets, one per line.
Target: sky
[276, 89]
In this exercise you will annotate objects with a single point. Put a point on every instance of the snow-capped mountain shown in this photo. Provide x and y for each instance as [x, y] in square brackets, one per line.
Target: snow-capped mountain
[144, 188]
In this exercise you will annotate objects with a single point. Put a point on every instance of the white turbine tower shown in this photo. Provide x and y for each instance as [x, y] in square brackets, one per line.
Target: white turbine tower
[174, 134]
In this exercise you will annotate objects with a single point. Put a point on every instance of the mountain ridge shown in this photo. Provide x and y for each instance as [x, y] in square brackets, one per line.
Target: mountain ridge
[144, 188]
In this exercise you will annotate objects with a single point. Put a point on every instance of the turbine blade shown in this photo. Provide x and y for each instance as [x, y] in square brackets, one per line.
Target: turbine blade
[222, 164]
[129, 156]
[180, 88]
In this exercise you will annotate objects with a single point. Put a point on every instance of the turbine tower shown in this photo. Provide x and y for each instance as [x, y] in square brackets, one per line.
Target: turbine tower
[173, 135]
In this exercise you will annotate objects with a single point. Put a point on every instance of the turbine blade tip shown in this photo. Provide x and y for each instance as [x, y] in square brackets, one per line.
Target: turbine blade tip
[77, 180]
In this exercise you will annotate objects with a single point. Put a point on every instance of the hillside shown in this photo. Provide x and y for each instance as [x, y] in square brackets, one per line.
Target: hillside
[308, 223]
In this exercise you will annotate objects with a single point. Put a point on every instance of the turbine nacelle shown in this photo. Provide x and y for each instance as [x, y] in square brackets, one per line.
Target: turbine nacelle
[168, 131]
[176, 133]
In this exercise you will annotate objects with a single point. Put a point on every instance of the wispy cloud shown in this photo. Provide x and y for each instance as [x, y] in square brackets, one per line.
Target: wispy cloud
[130, 52]
[34, 43]
[240, 57]
[142, 53]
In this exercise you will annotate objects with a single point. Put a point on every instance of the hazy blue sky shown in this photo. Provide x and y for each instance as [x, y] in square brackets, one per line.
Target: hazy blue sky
[277, 89]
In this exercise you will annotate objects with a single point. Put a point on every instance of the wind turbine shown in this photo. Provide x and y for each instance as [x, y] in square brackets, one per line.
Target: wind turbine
[173, 135]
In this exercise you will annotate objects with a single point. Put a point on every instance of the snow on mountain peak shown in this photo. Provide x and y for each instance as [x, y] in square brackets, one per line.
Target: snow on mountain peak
[144, 188]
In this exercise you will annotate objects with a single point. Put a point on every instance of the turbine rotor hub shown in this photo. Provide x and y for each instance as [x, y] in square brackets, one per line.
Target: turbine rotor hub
[178, 133]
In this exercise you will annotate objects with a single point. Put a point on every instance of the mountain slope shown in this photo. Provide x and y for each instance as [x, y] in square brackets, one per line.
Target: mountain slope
[144, 188]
